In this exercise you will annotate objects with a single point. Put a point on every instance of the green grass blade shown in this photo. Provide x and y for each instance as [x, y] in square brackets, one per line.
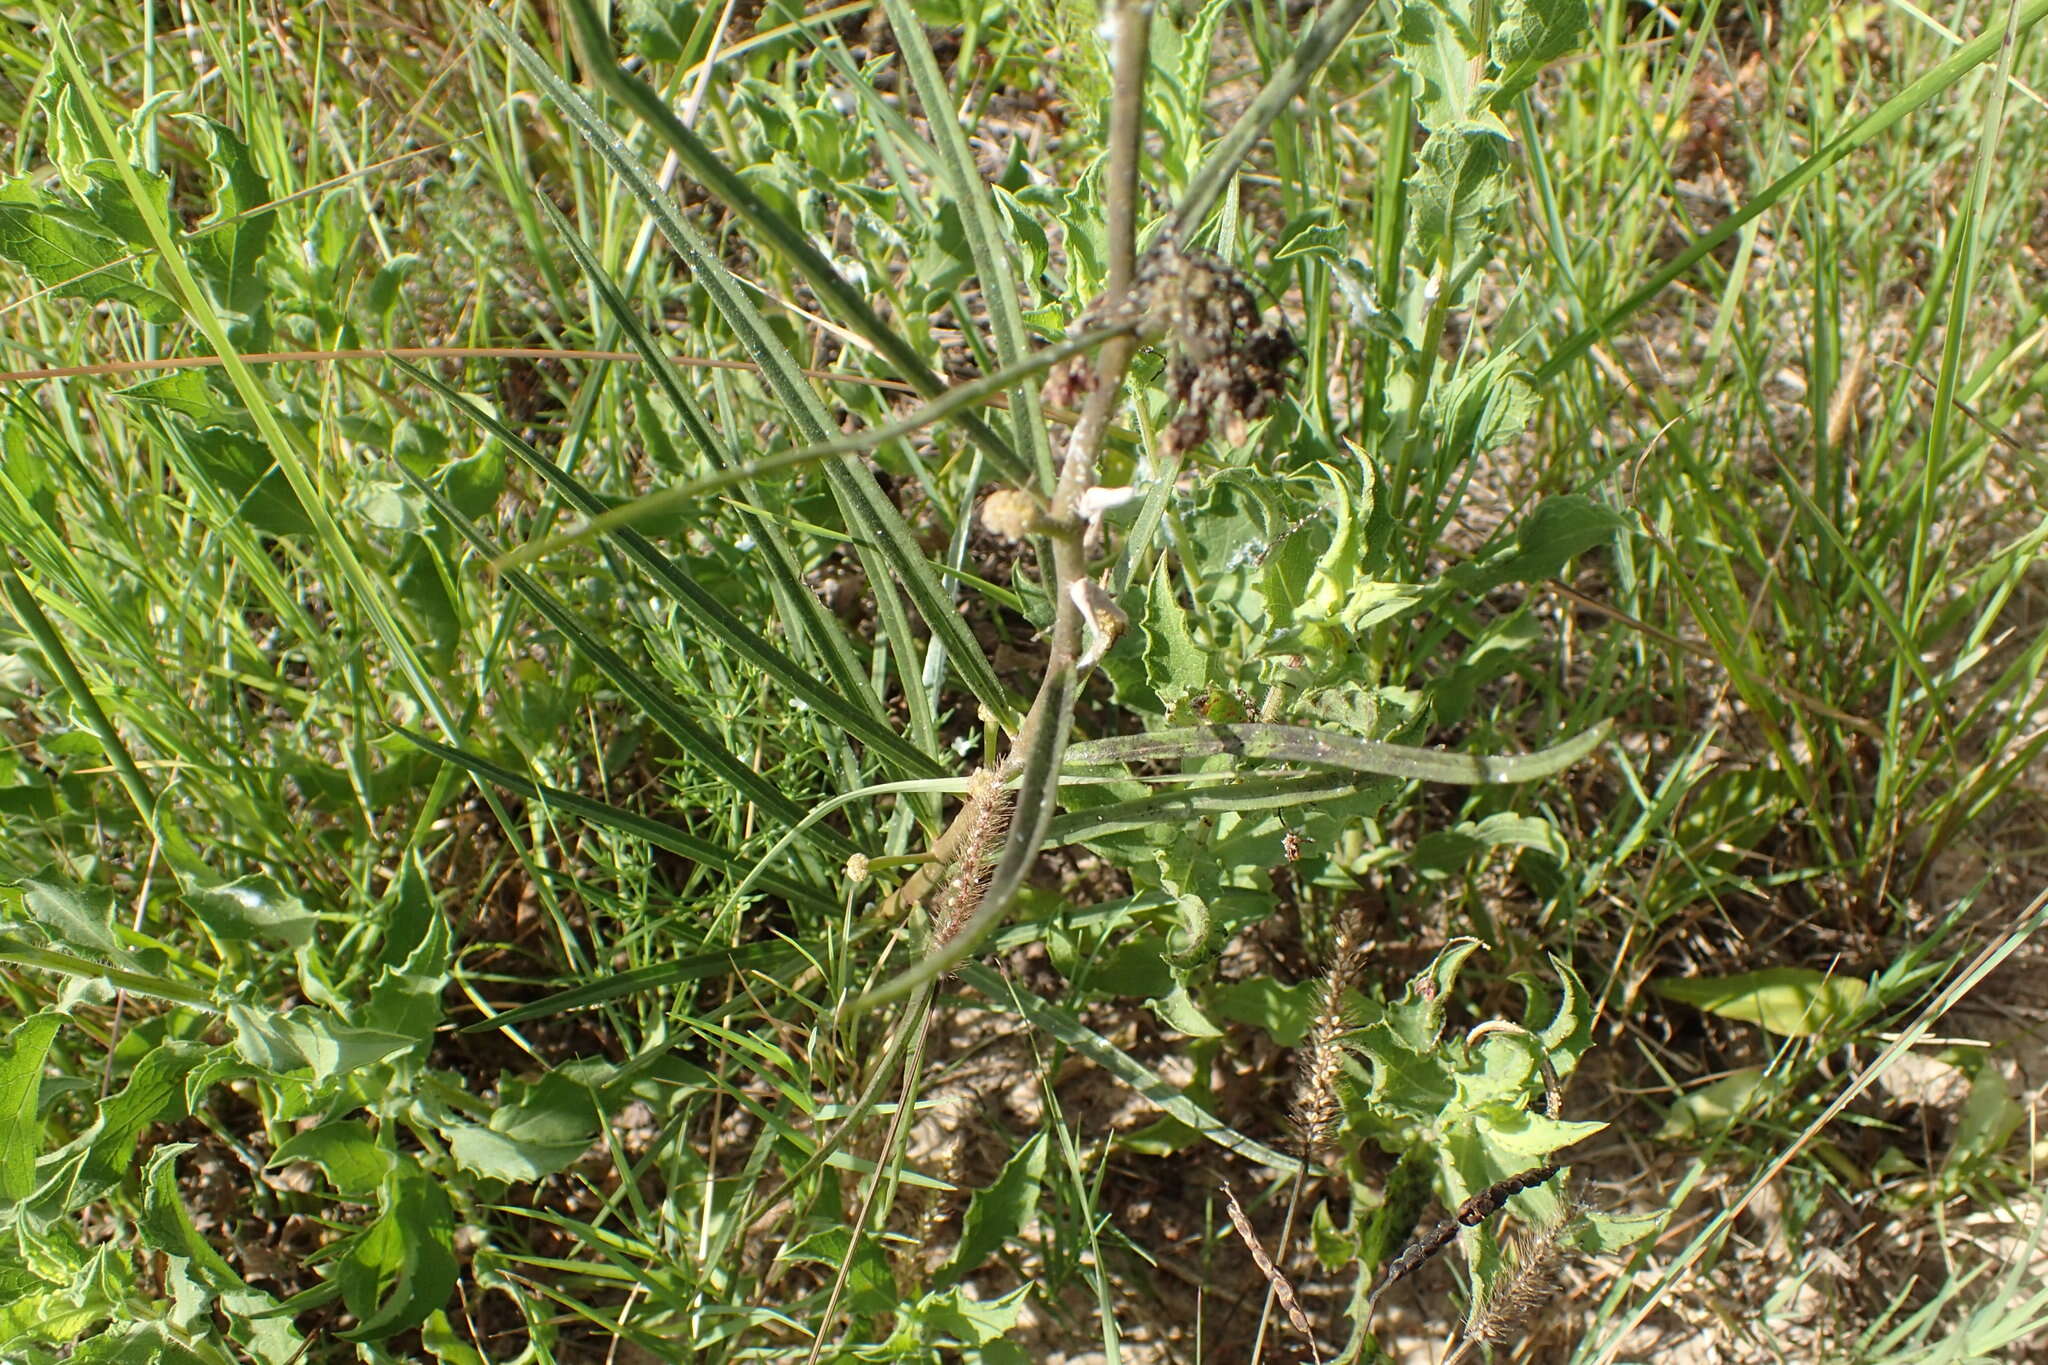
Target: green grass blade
[1288, 81]
[773, 958]
[704, 605]
[625, 822]
[1063, 1025]
[1866, 129]
[768, 226]
[960, 396]
[872, 518]
[647, 693]
[800, 606]
[1181, 807]
[985, 239]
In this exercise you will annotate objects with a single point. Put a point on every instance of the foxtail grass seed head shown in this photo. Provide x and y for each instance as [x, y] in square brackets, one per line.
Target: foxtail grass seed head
[1523, 1288]
[990, 821]
[1318, 1108]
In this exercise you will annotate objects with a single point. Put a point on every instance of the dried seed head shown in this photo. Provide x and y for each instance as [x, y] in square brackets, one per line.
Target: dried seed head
[1526, 1284]
[990, 805]
[1318, 1108]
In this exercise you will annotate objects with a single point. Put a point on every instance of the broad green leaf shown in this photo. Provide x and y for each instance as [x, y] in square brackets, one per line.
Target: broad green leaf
[241, 470]
[310, 1037]
[1529, 35]
[1283, 1012]
[65, 251]
[407, 999]
[254, 910]
[79, 917]
[1411, 1074]
[1178, 1010]
[228, 244]
[1530, 1137]
[976, 1322]
[21, 1078]
[1797, 1002]
[1989, 1118]
[149, 1343]
[1001, 1210]
[1559, 530]
[185, 392]
[1596, 1233]
[199, 1274]
[1486, 406]
[33, 1309]
[534, 1131]
[1447, 852]
[1175, 665]
[870, 1284]
[98, 1159]
[402, 1267]
[1705, 1110]
[1461, 180]
[353, 1161]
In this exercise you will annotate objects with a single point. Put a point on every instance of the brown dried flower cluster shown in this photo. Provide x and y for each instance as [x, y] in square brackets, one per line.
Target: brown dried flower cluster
[1225, 364]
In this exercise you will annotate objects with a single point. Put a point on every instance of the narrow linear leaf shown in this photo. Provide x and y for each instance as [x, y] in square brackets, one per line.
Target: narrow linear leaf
[802, 611]
[872, 518]
[1289, 79]
[1327, 748]
[770, 226]
[985, 238]
[639, 826]
[960, 396]
[1918, 92]
[770, 958]
[1255, 793]
[650, 696]
[716, 618]
[1063, 1025]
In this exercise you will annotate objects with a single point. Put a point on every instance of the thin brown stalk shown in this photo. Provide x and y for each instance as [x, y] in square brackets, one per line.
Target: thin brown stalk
[1274, 1278]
